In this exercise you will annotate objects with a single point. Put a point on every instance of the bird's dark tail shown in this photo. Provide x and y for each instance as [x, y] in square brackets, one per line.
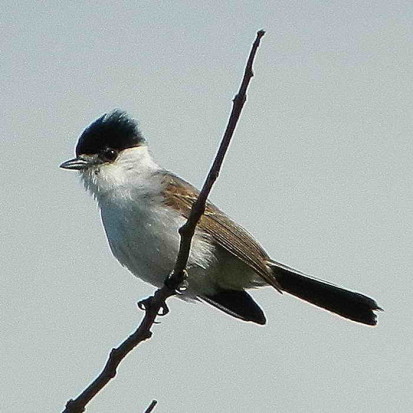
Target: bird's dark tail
[348, 304]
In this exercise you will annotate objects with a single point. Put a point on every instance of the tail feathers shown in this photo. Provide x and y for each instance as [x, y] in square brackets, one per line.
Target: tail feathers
[348, 304]
[239, 304]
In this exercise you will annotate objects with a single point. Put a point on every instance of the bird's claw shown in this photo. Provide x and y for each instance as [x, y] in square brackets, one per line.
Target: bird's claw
[182, 287]
[146, 303]
[172, 280]
[163, 310]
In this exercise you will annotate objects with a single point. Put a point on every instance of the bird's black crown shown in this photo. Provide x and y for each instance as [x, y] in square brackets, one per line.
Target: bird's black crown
[115, 130]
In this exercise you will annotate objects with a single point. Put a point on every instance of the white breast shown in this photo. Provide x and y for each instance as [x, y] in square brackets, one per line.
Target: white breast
[144, 237]
[142, 231]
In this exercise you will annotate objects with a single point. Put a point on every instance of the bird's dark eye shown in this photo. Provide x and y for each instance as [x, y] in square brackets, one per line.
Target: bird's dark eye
[109, 154]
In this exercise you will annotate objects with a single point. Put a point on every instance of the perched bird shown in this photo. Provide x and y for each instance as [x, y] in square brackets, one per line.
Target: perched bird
[142, 207]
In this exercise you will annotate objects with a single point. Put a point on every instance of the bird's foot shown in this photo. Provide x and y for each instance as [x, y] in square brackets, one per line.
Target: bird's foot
[177, 282]
[146, 304]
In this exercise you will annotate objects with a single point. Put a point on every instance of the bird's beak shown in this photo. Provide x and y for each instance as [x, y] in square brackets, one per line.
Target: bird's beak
[81, 162]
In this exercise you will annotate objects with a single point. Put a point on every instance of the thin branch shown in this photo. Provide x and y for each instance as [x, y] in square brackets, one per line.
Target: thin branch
[153, 305]
[151, 406]
[198, 208]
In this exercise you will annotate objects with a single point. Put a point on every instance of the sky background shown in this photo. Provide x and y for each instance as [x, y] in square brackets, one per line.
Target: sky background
[320, 171]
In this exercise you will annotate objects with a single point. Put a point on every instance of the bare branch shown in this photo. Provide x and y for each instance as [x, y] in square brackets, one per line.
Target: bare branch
[198, 208]
[153, 305]
[151, 406]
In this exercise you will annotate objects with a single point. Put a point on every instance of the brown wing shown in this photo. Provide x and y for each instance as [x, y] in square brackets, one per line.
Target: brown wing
[180, 195]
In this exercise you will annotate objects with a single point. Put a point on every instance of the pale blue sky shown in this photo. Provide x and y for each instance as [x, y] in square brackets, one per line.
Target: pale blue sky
[320, 171]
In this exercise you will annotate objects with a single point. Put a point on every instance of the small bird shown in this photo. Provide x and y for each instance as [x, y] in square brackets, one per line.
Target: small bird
[142, 207]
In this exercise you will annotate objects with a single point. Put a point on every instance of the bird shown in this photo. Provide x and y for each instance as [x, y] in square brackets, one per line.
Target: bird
[142, 207]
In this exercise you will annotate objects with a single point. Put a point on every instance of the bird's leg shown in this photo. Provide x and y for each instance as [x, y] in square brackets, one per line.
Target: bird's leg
[146, 303]
[177, 282]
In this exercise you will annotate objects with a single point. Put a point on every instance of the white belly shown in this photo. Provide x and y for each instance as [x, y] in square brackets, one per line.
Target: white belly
[145, 239]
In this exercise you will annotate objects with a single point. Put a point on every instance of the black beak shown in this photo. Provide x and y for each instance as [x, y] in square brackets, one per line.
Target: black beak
[80, 163]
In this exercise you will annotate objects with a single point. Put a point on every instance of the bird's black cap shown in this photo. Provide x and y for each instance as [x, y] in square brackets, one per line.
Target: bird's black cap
[115, 130]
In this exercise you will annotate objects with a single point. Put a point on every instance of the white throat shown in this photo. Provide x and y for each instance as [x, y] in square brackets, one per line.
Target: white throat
[133, 169]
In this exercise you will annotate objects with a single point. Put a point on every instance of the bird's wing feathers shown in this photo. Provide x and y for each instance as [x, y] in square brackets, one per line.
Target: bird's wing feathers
[180, 195]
